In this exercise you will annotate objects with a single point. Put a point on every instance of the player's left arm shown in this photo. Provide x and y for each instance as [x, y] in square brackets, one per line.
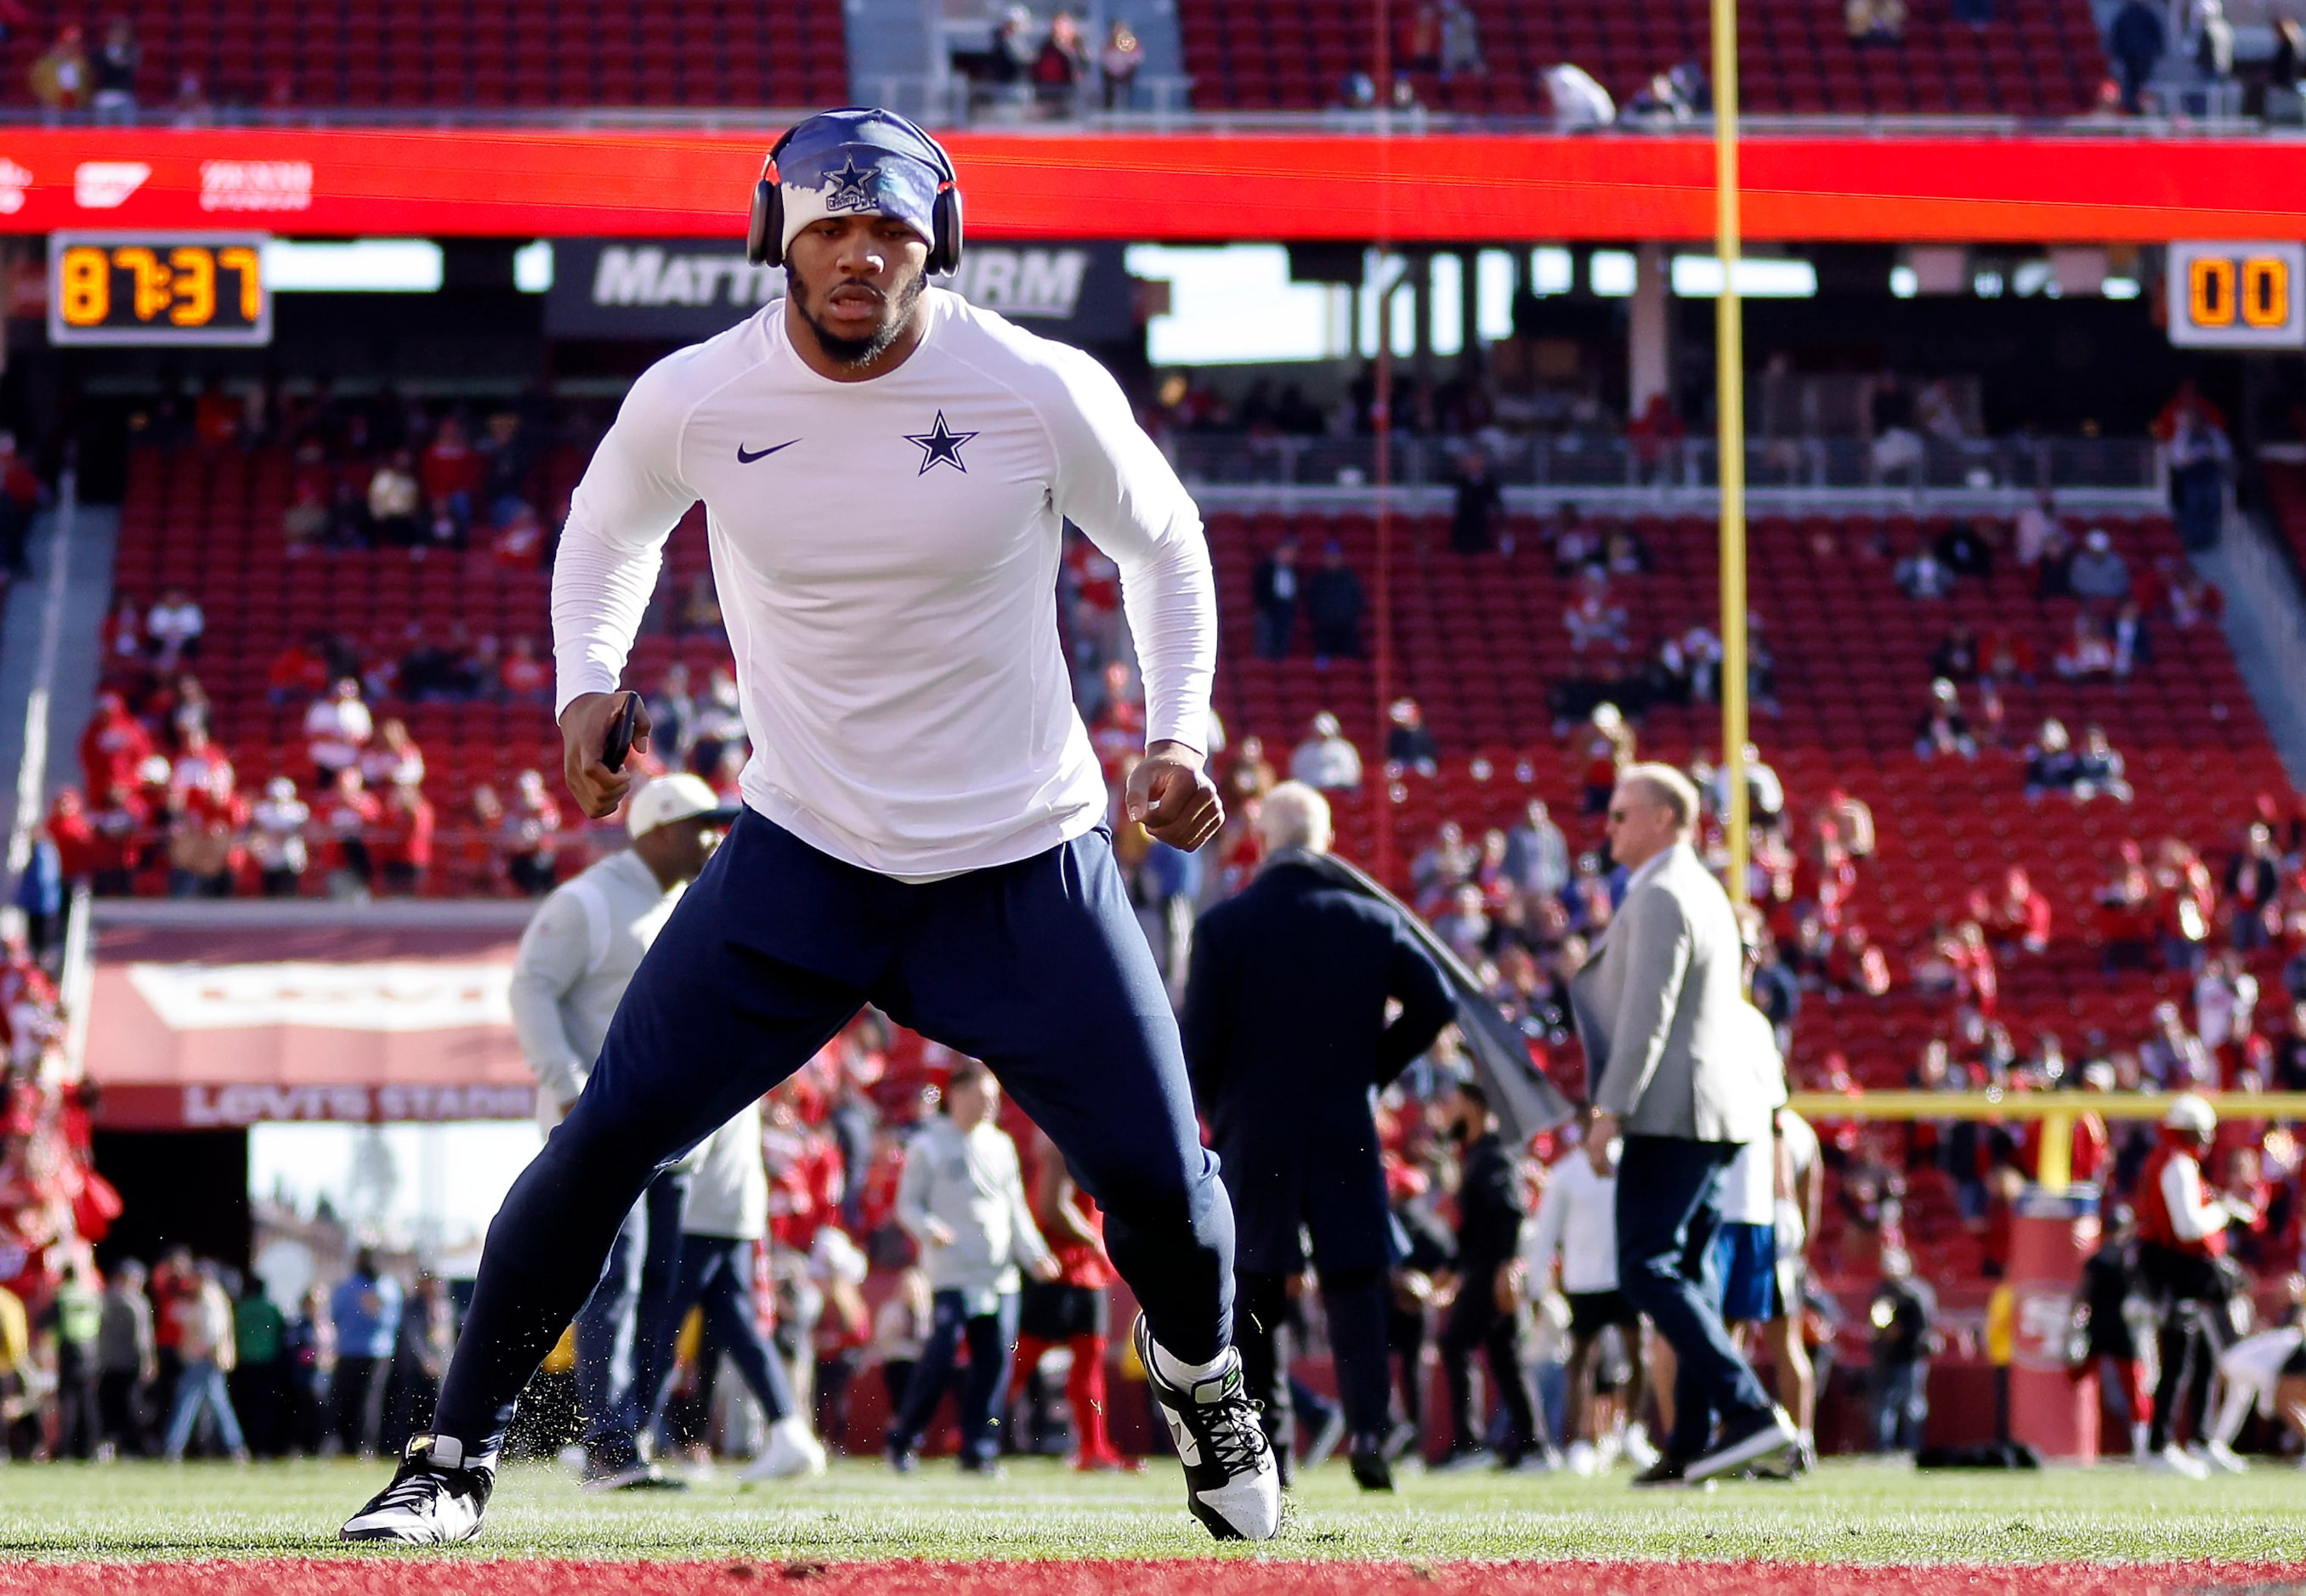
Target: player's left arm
[1112, 482]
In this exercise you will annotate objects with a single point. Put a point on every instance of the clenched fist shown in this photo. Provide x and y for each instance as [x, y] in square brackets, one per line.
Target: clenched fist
[1173, 797]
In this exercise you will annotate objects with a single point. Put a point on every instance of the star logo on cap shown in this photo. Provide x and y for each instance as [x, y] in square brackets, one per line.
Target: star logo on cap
[852, 190]
[940, 446]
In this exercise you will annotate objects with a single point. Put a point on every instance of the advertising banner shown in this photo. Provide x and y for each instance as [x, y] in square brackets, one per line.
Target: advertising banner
[681, 290]
[205, 1028]
[1338, 181]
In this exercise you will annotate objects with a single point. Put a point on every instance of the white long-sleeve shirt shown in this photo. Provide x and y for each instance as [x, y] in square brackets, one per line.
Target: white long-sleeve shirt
[971, 1181]
[729, 1190]
[1576, 1218]
[576, 960]
[2194, 1216]
[885, 554]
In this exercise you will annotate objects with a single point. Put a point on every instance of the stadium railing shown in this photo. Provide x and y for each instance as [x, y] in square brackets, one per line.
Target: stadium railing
[2058, 1110]
[1173, 118]
[2115, 466]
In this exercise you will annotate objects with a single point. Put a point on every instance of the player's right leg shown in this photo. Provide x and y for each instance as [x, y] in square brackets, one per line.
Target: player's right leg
[762, 962]
[1040, 970]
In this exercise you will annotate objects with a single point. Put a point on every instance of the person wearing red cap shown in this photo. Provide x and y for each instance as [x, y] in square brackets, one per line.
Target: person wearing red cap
[2181, 1244]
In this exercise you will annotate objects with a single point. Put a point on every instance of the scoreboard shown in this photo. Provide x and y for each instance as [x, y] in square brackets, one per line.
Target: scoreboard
[157, 289]
[2237, 295]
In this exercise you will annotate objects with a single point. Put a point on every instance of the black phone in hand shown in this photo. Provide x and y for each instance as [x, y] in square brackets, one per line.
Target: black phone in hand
[620, 733]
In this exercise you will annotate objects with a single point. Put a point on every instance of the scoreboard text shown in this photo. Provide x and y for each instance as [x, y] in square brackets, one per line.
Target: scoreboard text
[2236, 295]
[124, 288]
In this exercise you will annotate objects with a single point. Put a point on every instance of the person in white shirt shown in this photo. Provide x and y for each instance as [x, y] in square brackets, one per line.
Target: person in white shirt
[1576, 1226]
[275, 837]
[886, 473]
[1326, 761]
[204, 1342]
[336, 729]
[722, 1229]
[174, 626]
[1800, 1189]
[961, 1198]
[576, 958]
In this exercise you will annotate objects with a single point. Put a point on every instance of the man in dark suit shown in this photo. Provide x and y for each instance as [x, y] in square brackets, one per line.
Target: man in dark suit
[1274, 590]
[1334, 603]
[1285, 1033]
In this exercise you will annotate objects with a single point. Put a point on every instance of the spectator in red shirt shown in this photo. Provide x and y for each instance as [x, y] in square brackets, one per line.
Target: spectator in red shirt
[74, 835]
[123, 631]
[1097, 596]
[526, 679]
[117, 839]
[405, 840]
[114, 746]
[201, 778]
[1119, 729]
[2021, 919]
[347, 813]
[451, 473]
[520, 542]
[2008, 657]
[298, 672]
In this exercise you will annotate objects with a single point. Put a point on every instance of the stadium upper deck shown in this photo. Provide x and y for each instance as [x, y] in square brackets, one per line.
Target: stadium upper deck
[1455, 60]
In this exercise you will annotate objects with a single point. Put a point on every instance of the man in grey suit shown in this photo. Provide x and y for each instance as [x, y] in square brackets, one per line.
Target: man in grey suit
[1676, 1068]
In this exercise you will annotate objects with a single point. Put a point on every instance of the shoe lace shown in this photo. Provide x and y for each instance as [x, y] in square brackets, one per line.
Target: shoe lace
[414, 1487]
[1236, 1434]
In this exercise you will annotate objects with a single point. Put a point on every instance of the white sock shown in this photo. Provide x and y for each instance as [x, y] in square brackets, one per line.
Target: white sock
[1178, 1372]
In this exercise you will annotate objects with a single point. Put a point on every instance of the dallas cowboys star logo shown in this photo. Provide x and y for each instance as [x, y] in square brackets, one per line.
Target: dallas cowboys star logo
[940, 446]
[852, 190]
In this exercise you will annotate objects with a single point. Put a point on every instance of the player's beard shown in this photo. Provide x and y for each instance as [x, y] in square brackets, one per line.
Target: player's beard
[858, 352]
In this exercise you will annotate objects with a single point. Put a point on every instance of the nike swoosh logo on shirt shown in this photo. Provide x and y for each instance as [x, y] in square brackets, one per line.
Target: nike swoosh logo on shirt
[747, 459]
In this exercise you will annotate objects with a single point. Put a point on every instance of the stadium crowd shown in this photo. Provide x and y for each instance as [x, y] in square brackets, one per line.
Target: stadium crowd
[1518, 904]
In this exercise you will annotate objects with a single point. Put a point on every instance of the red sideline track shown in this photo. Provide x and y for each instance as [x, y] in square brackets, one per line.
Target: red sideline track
[391, 1574]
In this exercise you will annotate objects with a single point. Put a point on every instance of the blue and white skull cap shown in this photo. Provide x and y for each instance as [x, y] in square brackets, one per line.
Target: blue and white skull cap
[858, 162]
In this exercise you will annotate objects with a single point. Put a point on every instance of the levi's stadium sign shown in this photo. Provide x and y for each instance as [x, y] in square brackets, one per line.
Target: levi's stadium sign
[679, 290]
[239, 1021]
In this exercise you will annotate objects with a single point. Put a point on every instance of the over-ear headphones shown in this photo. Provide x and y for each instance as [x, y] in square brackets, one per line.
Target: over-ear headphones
[764, 234]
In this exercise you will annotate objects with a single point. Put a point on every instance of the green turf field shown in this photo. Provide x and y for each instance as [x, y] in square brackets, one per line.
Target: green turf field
[1858, 1511]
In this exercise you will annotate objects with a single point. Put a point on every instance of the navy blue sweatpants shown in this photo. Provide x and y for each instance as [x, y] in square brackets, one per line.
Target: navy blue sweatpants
[1038, 967]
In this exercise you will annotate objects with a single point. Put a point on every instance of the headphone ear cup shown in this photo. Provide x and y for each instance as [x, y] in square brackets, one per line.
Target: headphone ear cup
[765, 233]
[945, 219]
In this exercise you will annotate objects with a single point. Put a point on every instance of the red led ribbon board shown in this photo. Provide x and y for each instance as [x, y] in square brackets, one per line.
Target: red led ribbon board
[1184, 187]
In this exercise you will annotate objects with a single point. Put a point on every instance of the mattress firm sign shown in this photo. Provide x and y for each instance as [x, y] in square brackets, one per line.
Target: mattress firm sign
[680, 291]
